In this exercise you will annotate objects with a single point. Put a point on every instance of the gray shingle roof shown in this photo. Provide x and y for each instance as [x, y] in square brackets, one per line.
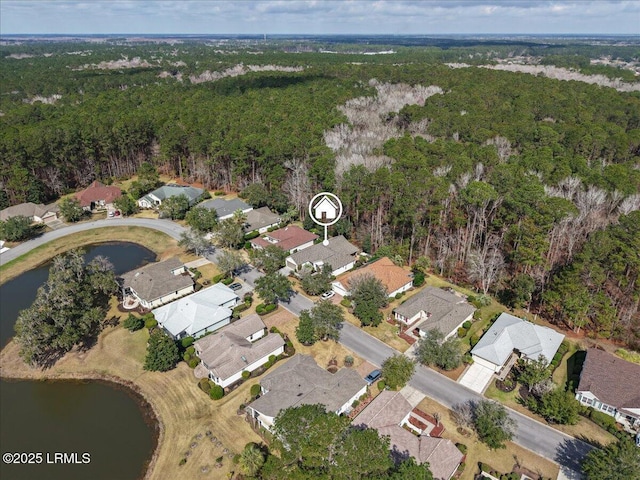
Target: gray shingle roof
[301, 381]
[509, 333]
[228, 352]
[224, 207]
[167, 191]
[338, 253]
[28, 209]
[156, 279]
[446, 309]
[260, 218]
[610, 379]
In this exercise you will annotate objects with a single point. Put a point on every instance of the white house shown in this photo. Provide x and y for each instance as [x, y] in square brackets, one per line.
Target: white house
[434, 308]
[154, 199]
[325, 210]
[202, 312]
[261, 220]
[300, 381]
[339, 253]
[611, 385]
[242, 346]
[510, 336]
[158, 283]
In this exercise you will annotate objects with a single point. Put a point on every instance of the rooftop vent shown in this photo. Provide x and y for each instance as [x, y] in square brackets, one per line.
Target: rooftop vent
[244, 359]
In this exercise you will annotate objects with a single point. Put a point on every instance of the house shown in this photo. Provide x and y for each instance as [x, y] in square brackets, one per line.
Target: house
[325, 210]
[97, 196]
[226, 208]
[395, 279]
[158, 283]
[301, 381]
[242, 346]
[607, 384]
[511, 338]
[339, 253]
[434, 308]
[392, 415]
[154, 199]
[260, 220]
[38, 213]
[290, 239]
[203, 312]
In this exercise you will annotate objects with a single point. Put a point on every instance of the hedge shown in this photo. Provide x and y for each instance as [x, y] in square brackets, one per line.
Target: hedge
[227, 281]
[240, 308]
[186, 342]
[218, 278]
[251, 236]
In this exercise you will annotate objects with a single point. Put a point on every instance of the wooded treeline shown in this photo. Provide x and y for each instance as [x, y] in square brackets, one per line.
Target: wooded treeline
[500, 179]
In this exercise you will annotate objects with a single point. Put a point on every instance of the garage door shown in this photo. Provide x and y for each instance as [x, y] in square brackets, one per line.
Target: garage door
[477, 378]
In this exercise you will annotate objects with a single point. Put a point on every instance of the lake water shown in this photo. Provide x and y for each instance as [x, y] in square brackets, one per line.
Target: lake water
[107, 422]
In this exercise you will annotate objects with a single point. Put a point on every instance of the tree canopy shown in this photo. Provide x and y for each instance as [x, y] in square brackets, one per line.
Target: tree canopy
[368, 295]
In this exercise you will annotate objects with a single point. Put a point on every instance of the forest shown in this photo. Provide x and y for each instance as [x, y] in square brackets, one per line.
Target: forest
[524, 187]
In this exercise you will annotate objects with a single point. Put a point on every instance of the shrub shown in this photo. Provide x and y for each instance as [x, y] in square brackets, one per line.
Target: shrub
[150, 323]
[381, 385]
[205, 385]
[251, 236]
[133, 323]
[466, 325]
[240, 308]
[345, 302]
[260, 309]
[355, 403]
[193, 362]
[462, 447]
[274, 330]
[270, 308]
[217, 392]
[399, 295]
[255, 390]
[473, 340]
[196, 273]
[477, 315]
[418, 279]
[182, 461]
[191, 350]
[348, 361]
[218, 278]
[462, 332]
[227, 280]
[467, 359]
[605, 421]
[186, 342]
[246, 374]
[272, 359]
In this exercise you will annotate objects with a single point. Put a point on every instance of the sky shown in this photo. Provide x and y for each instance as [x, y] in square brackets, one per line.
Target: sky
[419, 17]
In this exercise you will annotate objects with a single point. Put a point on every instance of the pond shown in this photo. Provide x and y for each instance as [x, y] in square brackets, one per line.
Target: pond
[104, 430]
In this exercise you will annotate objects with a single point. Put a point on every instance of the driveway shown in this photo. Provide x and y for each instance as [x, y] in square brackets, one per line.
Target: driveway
[477, 377]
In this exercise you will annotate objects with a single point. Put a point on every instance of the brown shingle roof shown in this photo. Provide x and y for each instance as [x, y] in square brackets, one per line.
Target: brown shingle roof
[286, 238]
[611, 379]
[97, 192]
[156, 279]
[391, 276]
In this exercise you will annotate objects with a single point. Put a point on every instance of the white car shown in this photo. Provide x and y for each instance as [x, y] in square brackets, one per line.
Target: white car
[327, 295]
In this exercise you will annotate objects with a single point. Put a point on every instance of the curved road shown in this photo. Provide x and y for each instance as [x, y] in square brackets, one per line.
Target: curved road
[165, 226]
[531, 434]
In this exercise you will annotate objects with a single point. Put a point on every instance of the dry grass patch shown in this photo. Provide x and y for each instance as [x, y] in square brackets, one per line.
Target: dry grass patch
[322, 352]
[184, 411]
[385, 332]
[503, 459]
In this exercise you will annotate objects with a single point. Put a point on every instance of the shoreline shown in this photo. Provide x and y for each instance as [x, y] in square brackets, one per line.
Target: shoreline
[150, 414]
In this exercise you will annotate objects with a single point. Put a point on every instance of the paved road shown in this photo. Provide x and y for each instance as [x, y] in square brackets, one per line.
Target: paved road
[533, 435]
[165, 226]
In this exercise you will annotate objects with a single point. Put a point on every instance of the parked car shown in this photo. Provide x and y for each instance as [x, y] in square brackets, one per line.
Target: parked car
[117, 213]
[110, 213]
[235, 286]
[373, 376]
[327, 295]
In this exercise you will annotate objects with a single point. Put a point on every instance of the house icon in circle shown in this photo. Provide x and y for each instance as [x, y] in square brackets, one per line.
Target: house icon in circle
[325, 210]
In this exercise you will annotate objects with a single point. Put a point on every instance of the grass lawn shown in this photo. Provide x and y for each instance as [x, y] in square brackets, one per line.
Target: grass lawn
[502, 460]
[584, 429]
[385, 332]
[154, 240]
[185, 412]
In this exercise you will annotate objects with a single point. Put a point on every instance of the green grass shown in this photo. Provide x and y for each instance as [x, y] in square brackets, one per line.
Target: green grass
[633, 357]
[565, 371]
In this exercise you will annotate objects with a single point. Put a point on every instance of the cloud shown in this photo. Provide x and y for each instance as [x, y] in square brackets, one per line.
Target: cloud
[320, 16]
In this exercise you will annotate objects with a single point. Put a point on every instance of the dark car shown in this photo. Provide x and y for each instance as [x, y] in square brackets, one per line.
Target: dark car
[235, 286]
[373, 376]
